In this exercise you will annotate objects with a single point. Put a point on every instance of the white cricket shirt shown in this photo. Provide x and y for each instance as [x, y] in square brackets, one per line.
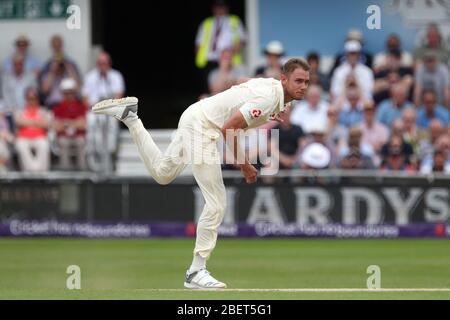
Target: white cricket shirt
[257, 100]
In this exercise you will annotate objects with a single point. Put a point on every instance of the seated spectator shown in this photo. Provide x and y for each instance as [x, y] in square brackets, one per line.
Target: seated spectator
[55, 70]
[395, 156]
[431, 110]
[440, 163]
[101, 83]
[429, 138]
[394, 63]
[355, 142]
[70, 126]
[355, 160]
[318, 134]
[374, 133]
[31, 64]
[363, 74]
[434, 41]
[315, 75]
[337, 134]
[432, 75]
[393, 72]
[273, 67]
[439, 160]
[311, 111]
[391, 109]
[5, 139]
[315, 156]
[13, 88]
[365, 57]
[382, 88]
[411, 133]
[289, 141]
[351, 88]
[31, 138]
[393, 47]
[397, 127]
[351, 113]
[226, 75]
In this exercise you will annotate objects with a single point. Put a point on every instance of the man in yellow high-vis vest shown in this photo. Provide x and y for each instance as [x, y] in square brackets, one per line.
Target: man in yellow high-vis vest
[219, 31]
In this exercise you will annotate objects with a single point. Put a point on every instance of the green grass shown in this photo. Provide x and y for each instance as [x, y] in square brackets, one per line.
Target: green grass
[133, 269]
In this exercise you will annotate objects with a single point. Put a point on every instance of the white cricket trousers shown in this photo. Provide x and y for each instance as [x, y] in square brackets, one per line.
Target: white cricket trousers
[37, 162]
[195, 143]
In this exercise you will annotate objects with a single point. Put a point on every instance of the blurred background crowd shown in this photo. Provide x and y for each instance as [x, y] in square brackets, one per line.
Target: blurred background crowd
[45, 121]
[368, 110]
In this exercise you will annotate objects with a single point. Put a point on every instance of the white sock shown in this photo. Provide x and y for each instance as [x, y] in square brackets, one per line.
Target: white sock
[198, 263]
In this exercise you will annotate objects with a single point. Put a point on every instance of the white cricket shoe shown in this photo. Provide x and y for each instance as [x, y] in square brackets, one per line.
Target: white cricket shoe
[121, 109]
[202, 280]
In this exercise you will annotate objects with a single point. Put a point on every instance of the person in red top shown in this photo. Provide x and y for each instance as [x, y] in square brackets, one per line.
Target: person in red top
[31, 137]
[70, 126]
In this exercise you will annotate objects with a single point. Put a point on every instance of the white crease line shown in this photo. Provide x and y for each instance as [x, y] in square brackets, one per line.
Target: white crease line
[305, 290]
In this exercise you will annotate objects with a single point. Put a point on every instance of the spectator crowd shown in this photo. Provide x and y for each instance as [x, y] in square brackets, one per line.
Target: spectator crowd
[387, 110]
[45, 122]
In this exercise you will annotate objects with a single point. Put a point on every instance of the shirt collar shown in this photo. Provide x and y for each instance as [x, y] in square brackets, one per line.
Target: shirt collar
[281, 105]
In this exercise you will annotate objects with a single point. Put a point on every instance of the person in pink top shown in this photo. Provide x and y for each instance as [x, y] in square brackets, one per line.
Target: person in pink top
[31, 137]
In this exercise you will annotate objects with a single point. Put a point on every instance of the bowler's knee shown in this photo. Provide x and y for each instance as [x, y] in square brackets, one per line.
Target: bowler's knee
[212, 217]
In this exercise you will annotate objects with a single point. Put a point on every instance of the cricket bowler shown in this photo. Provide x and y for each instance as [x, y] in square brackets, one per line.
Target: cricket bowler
[241, 107]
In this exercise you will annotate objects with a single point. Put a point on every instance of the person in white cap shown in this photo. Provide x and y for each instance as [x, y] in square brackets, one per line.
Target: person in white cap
[242, 107]
[363, 75]
[272, 69]
[70, 126]
[319, 134]
[315, 156]
[365, 57]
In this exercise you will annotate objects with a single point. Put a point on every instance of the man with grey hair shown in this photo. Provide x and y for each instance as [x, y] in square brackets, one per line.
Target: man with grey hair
[103, 82]
[432, 75]
[13, 87]
[391, 109]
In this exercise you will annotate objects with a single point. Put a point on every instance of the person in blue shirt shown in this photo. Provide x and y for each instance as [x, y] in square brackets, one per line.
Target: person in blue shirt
[391, 109]
[351, 113]
[431, 110]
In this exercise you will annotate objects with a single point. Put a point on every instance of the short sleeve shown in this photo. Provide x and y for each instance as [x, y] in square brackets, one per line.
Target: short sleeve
[257, 109]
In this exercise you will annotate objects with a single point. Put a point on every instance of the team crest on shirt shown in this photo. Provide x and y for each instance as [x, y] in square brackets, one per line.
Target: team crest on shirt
[256, 113]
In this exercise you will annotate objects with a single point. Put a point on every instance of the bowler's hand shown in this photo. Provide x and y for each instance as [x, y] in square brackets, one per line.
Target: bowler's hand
[250, 173]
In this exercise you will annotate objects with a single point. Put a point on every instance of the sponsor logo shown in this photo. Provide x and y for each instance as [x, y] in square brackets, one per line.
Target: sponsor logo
[256, 113]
